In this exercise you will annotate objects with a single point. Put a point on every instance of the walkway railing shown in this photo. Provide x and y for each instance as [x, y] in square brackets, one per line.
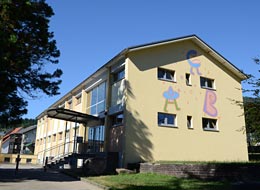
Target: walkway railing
[63, 150]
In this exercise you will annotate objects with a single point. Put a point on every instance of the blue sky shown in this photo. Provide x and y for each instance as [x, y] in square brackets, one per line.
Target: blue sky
[89, 33]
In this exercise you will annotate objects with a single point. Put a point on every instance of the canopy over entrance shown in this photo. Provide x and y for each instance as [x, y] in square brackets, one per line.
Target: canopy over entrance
[78, 117]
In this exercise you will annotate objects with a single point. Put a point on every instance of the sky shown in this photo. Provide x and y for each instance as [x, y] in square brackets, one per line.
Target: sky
[90, 33]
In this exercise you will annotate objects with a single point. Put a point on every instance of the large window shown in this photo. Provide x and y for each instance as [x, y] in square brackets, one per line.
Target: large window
[207, 83]
[98, 99]
[164, 74]
[167, 120]
[209, 124]
[97, 105]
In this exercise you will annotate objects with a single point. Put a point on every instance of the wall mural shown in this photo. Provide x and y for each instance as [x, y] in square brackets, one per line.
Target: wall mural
[170, 98]
[210, 100]
[194, 63]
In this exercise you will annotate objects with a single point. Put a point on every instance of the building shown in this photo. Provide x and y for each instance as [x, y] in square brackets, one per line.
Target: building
[28, 139]
[18, 141]
[11, 142]
[167, 100]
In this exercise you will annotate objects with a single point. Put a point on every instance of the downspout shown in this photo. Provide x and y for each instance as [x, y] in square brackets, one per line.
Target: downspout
[45, 143]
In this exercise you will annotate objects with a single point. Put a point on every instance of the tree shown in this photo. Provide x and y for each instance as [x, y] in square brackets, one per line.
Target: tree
[252, 108]
[252, 118]
[27, 46]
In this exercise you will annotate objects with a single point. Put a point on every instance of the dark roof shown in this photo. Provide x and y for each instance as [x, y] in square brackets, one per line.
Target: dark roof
[25, 130]
[69, 115]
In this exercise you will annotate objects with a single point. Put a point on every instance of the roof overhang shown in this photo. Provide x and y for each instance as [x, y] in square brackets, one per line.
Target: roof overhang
[73, 116]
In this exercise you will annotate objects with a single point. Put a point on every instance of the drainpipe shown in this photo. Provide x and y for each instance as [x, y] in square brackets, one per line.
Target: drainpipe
[75, 137]
[65, 137]
[45, 143]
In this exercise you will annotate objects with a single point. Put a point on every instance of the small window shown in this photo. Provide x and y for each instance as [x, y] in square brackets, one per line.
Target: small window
[206, 83]
[54, 138]
[78, 99]
[49, 139]
[209, 124]
[189, 122]
[166, 119]
[119, 75]
[117, 119]
[6, 159]
[188, 79]
[70, 105]
[164, 74]
[60, 136]
[28, 160]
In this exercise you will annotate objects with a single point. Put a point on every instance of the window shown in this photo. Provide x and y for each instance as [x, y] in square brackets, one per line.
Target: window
[28, 160]
[49, 139]
[209, 124]
[188, 80]
[164, 74]
[166, 119]
[70, 104]
[98, 99]
[119, 75]
[206, 83]
[78, 99]
[54, 138]
[6, 159]
[189, 122]
[60, 136]
[117, 119]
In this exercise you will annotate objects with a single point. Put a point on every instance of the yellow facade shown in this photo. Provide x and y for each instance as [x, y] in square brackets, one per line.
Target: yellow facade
[142, 98]
[25, 158]
[145, 140]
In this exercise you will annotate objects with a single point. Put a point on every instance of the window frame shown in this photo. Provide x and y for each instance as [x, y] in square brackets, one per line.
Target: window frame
[174, 125]
[208, 128]
[212, 81]
[96, 104]
[114, 117]
[116, 75]
[189, 122]
[188, 79]
[172, 73]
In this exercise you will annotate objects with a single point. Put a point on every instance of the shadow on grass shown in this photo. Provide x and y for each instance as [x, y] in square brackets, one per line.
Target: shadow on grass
[158, 182]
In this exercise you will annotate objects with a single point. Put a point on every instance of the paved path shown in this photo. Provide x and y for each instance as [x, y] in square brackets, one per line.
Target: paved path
[30, 177]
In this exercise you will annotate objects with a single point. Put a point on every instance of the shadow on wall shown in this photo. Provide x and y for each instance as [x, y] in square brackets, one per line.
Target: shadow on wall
[138, 144]
[167, 54]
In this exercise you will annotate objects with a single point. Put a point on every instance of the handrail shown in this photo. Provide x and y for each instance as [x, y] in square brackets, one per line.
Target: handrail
[54, 147]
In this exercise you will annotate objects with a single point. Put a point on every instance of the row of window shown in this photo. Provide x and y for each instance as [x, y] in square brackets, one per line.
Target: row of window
[169, 75]
[42, 140]
[169, 120]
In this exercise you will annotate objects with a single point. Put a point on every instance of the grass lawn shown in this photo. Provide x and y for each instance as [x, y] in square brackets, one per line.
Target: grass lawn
[146, 181]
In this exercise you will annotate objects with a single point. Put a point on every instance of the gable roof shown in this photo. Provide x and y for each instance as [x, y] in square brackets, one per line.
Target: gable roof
[198, 41]
[194, 38]
[27, 129]
[14, 131]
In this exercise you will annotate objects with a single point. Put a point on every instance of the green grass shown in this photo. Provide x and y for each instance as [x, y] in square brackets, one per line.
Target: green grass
[146, 181]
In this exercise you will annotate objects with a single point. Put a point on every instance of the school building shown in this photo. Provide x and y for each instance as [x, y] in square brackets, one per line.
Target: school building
[170, 100]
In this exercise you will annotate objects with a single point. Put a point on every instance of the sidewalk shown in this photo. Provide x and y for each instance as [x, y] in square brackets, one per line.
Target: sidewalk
[33, 177]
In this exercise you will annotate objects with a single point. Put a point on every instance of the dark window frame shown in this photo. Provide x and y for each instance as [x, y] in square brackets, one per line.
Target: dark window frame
[207, 83]
[167, 120]
[209, 124]
[166, 75]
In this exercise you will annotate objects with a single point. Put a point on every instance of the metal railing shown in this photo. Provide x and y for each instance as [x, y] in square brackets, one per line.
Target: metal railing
[63, 150]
